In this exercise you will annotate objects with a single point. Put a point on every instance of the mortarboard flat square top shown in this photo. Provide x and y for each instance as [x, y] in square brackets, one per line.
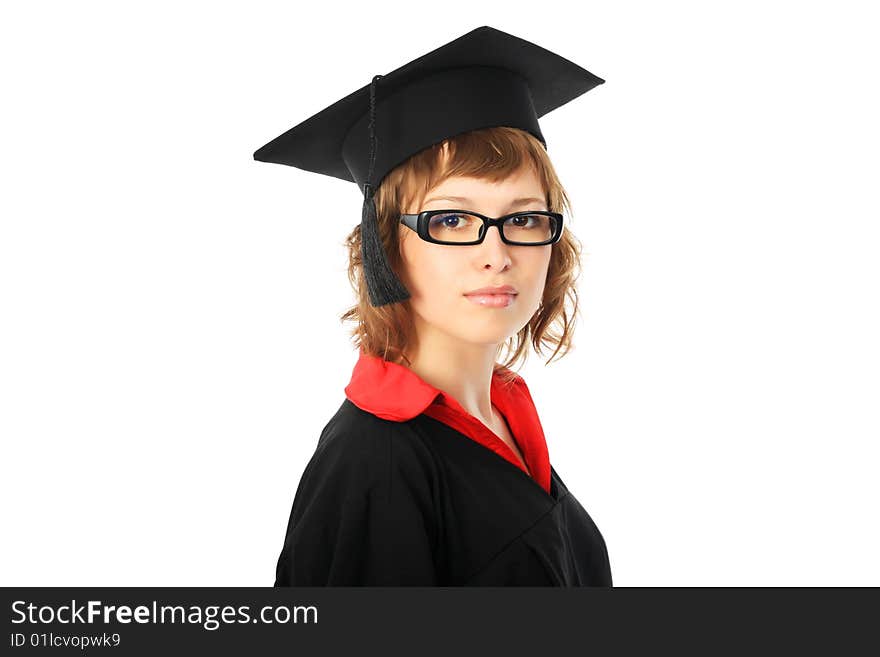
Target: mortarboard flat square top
[485, 78]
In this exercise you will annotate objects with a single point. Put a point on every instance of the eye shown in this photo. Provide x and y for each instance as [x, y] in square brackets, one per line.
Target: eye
[450, 221]
[525, 221]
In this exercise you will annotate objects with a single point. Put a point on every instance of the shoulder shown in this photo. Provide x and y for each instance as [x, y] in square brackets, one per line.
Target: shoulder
[359, 448]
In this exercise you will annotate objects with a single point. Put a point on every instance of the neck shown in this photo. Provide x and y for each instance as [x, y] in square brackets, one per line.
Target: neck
[461, 370]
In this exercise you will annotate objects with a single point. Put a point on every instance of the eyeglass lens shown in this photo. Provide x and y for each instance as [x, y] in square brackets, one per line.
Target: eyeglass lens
[463, 227]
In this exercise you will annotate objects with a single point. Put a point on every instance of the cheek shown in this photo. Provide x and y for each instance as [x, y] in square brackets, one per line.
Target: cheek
[538, 265]
[434, 275]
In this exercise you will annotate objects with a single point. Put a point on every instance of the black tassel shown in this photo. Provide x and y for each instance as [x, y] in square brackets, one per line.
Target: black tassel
[382, 283]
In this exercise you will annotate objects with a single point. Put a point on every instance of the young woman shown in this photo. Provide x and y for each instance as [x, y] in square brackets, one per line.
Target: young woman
[435, 469]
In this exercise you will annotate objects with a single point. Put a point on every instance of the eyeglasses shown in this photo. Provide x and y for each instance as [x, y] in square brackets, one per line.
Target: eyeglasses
[463, 227]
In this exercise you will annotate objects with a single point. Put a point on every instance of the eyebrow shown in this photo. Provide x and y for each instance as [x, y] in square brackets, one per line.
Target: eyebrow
[464, 199]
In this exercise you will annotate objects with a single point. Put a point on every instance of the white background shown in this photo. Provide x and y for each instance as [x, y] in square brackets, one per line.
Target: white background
[170, 347]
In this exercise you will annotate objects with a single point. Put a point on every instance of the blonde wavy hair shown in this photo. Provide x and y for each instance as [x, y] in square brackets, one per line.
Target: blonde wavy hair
[491, 154]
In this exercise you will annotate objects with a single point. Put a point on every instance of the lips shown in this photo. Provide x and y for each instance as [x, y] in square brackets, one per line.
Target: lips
[501, 289]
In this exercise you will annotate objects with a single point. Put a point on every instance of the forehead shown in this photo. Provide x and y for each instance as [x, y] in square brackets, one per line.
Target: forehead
[524, 185]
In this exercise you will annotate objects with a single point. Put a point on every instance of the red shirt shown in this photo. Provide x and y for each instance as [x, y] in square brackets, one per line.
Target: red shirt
[395, 392]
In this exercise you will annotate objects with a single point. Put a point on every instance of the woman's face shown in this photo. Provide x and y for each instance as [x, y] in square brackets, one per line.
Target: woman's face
[438, 276]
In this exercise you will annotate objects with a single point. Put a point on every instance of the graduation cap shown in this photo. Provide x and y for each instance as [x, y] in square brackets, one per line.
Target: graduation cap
[483, 79]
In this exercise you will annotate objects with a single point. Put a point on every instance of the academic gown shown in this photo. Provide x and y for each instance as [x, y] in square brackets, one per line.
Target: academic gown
[406, 488]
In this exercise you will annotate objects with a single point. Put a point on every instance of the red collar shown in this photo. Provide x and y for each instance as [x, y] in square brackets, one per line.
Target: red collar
[394, 392]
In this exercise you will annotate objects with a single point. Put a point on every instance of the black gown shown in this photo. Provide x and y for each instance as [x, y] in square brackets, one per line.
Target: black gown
[417, 503]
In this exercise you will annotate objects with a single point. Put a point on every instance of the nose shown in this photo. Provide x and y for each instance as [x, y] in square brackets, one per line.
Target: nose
[493, 251]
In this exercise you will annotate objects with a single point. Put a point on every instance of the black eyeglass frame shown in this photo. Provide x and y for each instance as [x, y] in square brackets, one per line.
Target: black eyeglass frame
[419, 223]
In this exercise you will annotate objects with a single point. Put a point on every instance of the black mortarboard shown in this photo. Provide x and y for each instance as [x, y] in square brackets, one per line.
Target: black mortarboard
[483, 79]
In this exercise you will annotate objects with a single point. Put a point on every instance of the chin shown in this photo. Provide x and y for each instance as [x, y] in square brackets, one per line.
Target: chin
[486, 335]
